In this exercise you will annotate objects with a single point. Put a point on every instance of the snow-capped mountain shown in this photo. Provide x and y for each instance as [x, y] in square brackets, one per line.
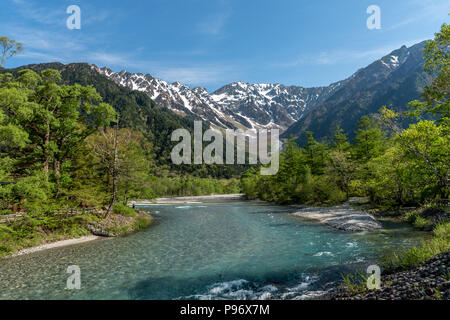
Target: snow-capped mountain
[236, 105]
[394, 81]
[244, 105]
[269, 105]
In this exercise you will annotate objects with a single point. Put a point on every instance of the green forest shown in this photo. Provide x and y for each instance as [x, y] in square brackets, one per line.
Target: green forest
[391, 165]
[69, 138]
[65, 144]
[394, 167]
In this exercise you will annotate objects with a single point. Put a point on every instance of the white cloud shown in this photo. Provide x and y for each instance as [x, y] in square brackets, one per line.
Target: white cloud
[108, 59]
[187, 74]
[67, 47]
[214, 24]
[41, 14]
[437, 10]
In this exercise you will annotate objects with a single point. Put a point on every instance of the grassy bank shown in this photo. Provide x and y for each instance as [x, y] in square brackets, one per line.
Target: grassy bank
[37, 229]
[406, 259]
[412, 257]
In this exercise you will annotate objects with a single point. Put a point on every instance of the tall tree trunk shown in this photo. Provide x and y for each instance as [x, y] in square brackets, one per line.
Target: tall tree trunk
[114, 171]
[57, 169]
[46, 155]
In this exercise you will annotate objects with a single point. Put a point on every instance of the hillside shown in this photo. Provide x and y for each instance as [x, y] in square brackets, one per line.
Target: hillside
[393, 80]
[136, 109]
[236, 105]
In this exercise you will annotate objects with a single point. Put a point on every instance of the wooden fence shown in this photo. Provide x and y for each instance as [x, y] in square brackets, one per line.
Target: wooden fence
[10, 217]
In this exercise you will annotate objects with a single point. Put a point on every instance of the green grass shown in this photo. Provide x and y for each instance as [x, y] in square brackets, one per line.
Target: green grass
[421, 223]
[35, 230]
[442, 230]
[142, 223]
[139, 223]
[120, 208]
[412, 257]
[355, 283]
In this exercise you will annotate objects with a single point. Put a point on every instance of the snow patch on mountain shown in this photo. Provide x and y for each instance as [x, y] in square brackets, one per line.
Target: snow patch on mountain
[238, 105]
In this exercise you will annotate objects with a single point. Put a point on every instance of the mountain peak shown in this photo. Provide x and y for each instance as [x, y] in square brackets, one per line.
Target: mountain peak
[394, 80]
[264, 105]
[236, 105]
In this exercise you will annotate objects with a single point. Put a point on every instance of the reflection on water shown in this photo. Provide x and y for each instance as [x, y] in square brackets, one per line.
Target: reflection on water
[233, 250]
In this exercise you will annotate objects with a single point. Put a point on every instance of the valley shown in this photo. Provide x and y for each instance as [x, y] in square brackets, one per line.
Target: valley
[361, 180]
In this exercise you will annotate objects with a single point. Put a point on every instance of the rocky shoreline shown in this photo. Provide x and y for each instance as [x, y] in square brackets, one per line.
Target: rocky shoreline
[57, 244]
[189, 200]
[344, 217]
[428, 281]
[118, 225]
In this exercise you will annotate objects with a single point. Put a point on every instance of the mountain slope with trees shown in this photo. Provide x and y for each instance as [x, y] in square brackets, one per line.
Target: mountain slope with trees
[64, 149]
[390, 165]
[137, 110]
[393, 81]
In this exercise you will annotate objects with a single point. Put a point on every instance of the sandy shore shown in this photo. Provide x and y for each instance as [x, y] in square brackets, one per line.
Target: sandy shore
[189, 200]
[343, 217]
[57, 244]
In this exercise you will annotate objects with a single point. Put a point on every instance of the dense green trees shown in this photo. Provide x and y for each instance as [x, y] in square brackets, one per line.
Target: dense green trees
[392, 167]
[407, 168]
[121, 160]
[57, 147]
[138, 112]
[43, 125]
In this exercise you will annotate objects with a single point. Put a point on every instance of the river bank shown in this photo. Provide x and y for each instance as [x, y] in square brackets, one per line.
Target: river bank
[213, 250]
[428, 281]
[188, 200]
[80, 229]
[56, 244]
[344, 217]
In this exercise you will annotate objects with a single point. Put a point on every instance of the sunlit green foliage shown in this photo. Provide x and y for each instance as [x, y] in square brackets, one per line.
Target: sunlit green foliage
[393, 168]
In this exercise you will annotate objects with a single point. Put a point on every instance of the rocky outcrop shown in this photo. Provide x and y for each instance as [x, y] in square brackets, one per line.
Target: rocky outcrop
[235, 105]
[343, 217]
[118, 225]
[99, 230]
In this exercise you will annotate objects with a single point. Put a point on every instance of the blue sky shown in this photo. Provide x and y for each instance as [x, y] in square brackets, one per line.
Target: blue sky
[210, 43]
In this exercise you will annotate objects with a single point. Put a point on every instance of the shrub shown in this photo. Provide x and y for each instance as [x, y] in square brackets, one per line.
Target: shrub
[414, 256]
[442, 230]
[355, 283]
[142, 223]
[421, 223]
[326, 192]
[120, 208]
[411, 216]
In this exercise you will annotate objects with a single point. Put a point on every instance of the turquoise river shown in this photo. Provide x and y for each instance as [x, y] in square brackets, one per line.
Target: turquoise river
[210, 250]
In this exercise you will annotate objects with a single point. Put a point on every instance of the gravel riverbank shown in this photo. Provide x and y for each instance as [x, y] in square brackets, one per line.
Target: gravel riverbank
[57, 244]
[188, 200]
[428, 281]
